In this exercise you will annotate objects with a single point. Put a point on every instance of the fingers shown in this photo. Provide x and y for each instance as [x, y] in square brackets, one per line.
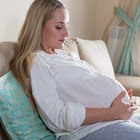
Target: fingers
[132, 102]
[132, 109]
[130, 92]
[132, 98]
[121, 95]
[132, 106]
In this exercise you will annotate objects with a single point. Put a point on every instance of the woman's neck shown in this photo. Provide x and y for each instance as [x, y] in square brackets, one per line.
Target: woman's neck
[48, 50]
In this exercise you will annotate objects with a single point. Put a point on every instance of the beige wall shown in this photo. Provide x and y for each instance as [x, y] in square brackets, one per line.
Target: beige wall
[88, 18]
[12, 14]
[104, 12]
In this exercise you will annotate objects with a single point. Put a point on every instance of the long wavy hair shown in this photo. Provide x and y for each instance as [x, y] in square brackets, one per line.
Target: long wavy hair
[29, 40]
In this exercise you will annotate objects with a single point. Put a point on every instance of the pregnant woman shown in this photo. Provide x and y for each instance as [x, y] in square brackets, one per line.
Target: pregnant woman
[73, 100]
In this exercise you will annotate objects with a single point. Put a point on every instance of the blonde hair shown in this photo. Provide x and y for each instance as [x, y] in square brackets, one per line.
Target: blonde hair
[29, 40]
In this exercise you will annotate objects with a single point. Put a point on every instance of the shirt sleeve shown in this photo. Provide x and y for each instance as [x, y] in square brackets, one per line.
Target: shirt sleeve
[58, 115]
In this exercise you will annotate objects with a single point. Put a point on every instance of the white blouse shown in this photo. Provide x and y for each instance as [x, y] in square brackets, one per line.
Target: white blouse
[63, 86]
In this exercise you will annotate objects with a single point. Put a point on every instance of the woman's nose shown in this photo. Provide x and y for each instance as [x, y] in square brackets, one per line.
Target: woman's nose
[66, 33]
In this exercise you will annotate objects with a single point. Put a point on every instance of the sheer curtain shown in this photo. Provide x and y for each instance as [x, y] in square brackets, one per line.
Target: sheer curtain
[123, 37]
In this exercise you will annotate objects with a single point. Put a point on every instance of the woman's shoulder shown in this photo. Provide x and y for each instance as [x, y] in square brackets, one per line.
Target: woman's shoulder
[38, 54]
[37, 57]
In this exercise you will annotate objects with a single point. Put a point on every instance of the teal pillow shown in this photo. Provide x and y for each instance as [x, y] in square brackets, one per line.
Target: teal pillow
[18, 117]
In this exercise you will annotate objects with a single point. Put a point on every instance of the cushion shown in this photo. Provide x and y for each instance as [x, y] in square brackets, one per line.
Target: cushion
[70, 45]
[95, 52]
[129, 81]
[6, 53]
[18, 117]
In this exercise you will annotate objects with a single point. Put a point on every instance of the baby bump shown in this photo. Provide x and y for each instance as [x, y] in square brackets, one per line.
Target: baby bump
[92, 90]
[101, 91]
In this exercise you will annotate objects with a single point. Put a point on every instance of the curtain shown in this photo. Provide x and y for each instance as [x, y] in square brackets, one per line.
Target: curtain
[123, 37]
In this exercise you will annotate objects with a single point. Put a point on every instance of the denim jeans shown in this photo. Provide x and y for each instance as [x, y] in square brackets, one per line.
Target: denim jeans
[118, 131]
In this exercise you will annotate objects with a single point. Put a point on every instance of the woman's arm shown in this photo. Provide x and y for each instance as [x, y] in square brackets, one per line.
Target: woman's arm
[118, 111]
[58, 115]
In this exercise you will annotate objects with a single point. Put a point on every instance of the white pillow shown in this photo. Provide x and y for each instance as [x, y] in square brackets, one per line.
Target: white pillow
[70, 45]
[95, 52]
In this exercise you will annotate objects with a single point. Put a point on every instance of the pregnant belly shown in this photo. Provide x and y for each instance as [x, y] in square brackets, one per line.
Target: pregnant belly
[97, 91]
[102, 91]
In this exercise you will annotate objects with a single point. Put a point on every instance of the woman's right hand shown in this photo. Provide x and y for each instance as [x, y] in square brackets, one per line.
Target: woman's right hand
[118, 111]
[123, 110]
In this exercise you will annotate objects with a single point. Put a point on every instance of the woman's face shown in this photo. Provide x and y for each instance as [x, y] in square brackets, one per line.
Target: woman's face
[55, 30]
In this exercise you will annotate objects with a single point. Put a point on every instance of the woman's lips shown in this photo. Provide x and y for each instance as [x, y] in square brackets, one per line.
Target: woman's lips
[62, 40]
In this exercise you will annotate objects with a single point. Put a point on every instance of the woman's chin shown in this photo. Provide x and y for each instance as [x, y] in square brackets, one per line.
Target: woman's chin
[60, 46]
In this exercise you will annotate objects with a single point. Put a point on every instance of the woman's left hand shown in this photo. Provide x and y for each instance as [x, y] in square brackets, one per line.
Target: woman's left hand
[132, 98]
[132, 101]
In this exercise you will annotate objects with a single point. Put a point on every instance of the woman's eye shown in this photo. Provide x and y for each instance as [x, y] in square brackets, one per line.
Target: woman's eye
[59, 28]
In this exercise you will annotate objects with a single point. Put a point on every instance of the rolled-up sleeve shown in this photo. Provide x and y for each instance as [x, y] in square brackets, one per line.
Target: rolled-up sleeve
[57, 115]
